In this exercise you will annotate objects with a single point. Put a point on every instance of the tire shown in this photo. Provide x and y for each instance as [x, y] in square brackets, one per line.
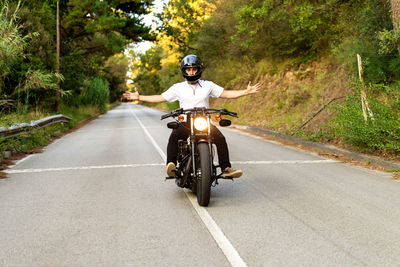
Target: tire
[204, 180]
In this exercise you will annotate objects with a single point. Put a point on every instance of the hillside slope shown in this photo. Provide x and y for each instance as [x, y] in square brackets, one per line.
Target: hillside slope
[290, 97]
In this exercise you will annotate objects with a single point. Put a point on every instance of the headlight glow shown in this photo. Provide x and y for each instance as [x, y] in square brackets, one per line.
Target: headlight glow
[200, 124]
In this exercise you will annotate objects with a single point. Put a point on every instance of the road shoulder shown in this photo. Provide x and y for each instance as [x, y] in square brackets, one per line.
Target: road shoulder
[324, 150]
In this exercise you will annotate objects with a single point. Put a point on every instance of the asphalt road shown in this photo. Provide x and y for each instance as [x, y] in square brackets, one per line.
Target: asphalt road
[97, 197]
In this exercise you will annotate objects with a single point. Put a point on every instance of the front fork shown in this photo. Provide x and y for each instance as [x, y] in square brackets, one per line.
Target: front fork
[194, 153]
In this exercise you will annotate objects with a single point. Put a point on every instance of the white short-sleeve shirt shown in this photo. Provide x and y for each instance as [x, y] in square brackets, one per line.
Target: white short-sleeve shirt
[191, 96]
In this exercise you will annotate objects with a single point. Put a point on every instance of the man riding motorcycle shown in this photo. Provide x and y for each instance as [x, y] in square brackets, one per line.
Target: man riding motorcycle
[195, 93]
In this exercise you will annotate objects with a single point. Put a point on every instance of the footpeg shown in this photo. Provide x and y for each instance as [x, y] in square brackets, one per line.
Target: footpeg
[224, 177]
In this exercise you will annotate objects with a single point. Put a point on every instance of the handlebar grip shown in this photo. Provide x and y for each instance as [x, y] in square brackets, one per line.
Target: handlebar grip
[177, 111]
[165, 116]
[234, 114]
[227, 112]
[172, 113]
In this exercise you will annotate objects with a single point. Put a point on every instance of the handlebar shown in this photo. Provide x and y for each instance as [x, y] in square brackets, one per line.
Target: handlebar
[180, 111]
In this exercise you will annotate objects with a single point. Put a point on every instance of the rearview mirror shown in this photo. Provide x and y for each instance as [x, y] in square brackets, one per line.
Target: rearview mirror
[224, 122]
[173, 125]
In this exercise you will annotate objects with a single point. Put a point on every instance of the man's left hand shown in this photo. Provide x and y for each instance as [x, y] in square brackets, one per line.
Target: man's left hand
[253, 89]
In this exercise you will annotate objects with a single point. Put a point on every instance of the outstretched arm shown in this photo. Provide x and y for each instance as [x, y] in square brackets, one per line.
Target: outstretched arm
[145, 98]
[231, 94]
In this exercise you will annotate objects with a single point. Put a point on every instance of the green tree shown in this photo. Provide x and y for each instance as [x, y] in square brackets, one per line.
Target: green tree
[115, 70]
[92, 31]
[147, 68]
[23, 77]
[182, 20]
[285, 28]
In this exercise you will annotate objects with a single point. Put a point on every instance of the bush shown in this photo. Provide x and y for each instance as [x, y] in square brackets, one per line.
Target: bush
[12, 43]
[96, 92]
[379, 134]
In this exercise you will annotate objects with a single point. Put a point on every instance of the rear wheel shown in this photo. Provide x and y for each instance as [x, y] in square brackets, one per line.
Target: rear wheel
[204, 175]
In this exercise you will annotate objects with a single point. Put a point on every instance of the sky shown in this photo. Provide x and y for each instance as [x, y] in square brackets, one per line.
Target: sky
[148, 19]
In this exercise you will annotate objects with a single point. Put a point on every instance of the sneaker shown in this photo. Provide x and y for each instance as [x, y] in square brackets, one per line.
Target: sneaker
[170, 169]
[231, 173]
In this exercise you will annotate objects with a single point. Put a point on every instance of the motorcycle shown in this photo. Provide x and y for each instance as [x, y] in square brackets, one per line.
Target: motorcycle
[195, 162]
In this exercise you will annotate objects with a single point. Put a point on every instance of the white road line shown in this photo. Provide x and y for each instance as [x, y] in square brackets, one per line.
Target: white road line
[56, 141]
[135, 165]
[225, 245]
[85, 168]
[286, 161]
[223, 242]
[21, 160]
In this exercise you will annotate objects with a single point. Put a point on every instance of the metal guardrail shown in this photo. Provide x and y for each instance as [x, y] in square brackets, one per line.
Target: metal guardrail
[17, 129]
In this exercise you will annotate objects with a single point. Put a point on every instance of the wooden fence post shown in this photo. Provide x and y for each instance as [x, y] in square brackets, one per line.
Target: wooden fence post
[364, 101]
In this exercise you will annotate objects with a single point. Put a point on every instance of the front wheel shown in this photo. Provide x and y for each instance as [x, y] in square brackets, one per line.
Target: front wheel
[204, 176]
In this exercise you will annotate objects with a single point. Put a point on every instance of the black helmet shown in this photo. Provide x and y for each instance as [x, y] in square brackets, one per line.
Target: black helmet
[192, 61]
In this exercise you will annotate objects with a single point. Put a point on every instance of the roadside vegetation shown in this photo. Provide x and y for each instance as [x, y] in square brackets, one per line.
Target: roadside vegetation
[304, 52]
[93, 65]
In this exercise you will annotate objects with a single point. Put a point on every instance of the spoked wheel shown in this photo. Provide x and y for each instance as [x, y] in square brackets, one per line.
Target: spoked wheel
[204, 179]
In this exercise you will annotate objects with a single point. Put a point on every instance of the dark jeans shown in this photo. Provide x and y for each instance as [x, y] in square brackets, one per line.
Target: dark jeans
[182, 133]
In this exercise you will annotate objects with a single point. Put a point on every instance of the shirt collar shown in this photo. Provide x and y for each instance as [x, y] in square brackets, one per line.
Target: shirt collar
[199, 82]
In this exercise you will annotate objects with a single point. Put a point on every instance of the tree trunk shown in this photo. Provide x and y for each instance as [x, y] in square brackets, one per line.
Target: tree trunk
[395, 4]
[58, 94]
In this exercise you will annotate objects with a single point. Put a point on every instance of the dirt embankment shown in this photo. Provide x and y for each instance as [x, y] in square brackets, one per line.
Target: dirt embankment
[290, 97]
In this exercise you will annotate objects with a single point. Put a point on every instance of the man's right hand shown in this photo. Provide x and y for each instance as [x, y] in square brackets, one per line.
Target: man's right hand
[131, 96]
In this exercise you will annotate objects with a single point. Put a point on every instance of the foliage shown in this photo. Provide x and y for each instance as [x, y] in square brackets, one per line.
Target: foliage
[388, 40]
[238, 40]
[225, 62]
[36, 79]
[96, 92]
[27, 80]
[157, 69]
[363, 26]
[92, 32]
[284, 28]
[171, 56]
[12, 43]
[381, 133]
[79, 114]
[115, 69]
[182, 20]
[26, 142]
[148, 80]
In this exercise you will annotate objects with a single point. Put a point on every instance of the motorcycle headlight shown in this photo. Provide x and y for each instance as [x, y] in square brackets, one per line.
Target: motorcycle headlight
[200, 124]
